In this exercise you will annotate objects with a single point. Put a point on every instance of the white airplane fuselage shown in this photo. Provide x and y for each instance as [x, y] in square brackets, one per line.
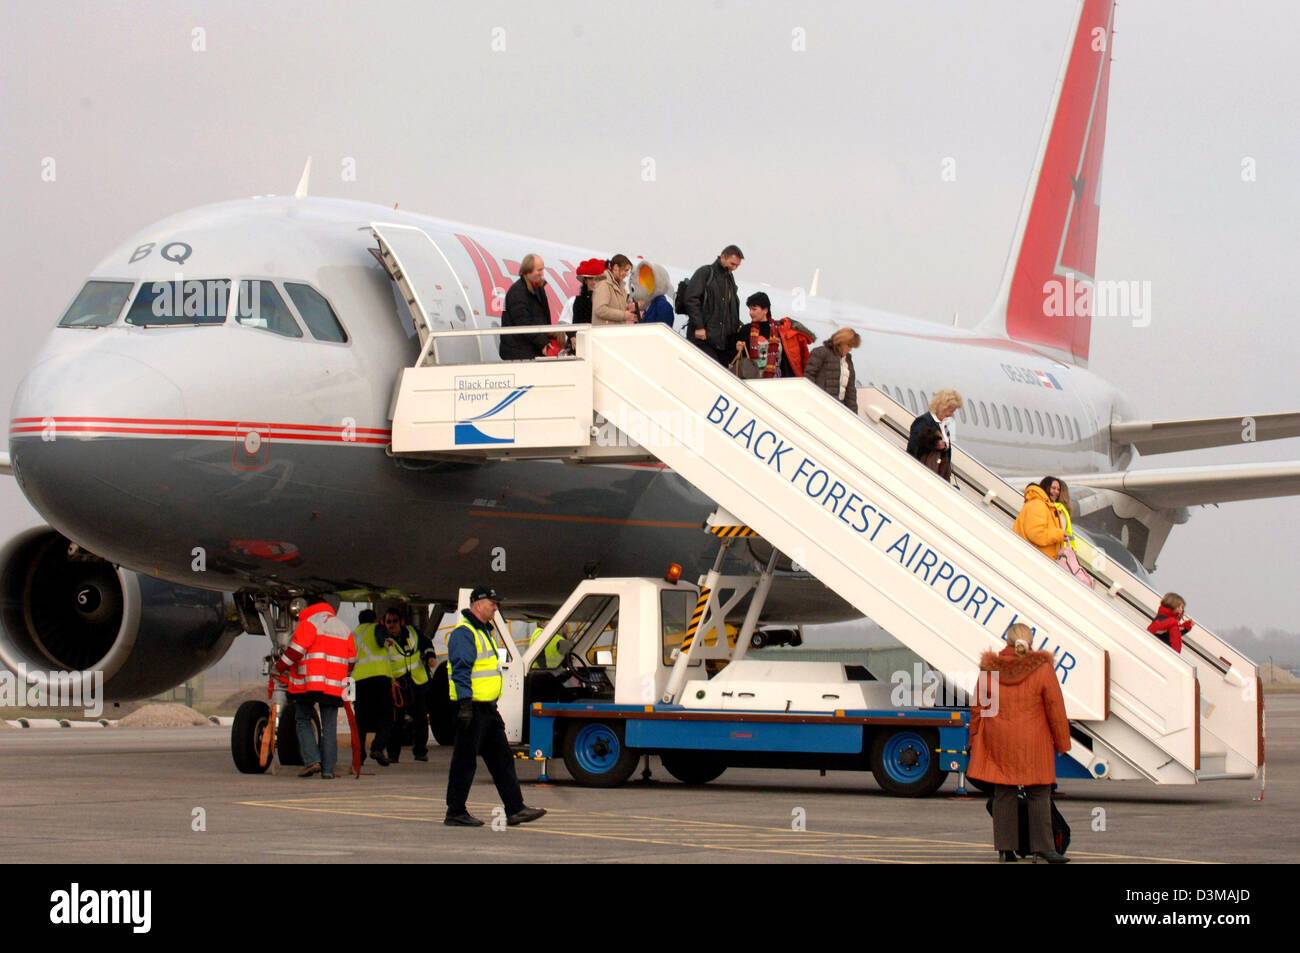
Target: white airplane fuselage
[135, 441]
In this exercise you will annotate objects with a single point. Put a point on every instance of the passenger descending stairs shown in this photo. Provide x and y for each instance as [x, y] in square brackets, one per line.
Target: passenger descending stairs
[1231, 703]
[936, 568]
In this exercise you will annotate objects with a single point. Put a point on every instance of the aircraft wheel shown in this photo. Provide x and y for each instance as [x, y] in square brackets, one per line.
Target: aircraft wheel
[286, 736]
[246, 736]
[442, 716]
[692, 767]
[904, 762]
[596, 756]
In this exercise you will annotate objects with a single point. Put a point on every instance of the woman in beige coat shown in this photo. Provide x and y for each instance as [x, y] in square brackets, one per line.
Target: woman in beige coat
[610, 303]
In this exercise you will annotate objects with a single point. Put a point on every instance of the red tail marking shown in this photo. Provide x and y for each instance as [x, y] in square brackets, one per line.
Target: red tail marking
[1061, 231]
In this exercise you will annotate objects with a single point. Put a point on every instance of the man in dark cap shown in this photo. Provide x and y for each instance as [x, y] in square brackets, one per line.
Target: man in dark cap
[475, 686]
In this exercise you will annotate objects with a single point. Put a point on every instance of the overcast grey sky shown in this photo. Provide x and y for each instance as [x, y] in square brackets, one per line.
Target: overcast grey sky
[537, 118]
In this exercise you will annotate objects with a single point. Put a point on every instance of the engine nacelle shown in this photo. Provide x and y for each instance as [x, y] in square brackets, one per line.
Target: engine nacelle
[65, 610]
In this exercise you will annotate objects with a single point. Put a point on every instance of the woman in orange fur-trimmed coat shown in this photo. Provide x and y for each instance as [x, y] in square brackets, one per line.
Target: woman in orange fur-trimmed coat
[1017, 724]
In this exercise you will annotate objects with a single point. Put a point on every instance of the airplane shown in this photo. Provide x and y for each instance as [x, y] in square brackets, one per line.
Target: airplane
[206, 430]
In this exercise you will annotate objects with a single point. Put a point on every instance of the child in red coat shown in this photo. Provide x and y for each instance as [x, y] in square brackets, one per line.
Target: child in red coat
[1169, 626]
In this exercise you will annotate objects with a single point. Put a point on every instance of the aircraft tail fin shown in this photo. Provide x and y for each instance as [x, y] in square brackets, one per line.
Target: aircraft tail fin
[1046, 294]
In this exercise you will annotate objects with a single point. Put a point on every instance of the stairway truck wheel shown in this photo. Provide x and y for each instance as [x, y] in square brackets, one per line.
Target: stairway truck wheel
[246, 736]
[904, 761]
[596, 756]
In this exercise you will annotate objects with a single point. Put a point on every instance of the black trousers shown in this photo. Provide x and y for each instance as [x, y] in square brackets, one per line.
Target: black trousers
[375, 710]
[417, 706]
[485, 737]
[721, 356]
[1006, 817]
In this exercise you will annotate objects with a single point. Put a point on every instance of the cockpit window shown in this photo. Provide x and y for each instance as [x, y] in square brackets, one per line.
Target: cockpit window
[316, 313]
[97, 305]
[194, 301]
[260, 306]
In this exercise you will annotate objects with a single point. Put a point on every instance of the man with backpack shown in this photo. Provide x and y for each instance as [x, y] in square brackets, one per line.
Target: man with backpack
[712, 305]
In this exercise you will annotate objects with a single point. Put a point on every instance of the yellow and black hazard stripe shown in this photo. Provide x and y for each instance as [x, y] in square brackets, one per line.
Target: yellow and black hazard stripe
[696, 616]
[731, 531]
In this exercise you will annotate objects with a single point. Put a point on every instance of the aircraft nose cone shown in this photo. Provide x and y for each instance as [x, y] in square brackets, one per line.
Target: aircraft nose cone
[63, 411]
[72, 390]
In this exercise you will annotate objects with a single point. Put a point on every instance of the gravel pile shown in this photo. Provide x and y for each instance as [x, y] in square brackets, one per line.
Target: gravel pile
[166, 715]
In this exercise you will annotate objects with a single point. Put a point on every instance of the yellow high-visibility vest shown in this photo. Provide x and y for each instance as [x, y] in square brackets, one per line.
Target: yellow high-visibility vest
[485, 676]
[409, 664]
[372, 659]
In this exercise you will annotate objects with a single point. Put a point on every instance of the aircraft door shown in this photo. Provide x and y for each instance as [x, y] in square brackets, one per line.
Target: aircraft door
[431, 289]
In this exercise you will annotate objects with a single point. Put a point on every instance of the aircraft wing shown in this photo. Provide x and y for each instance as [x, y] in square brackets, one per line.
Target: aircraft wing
[1167, 436]
[1197, 486]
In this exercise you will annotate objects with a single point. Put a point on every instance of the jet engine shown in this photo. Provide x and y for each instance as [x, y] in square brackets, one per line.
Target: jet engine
[64, 610]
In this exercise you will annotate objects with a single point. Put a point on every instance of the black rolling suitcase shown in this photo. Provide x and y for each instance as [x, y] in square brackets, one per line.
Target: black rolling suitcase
[1060, 829]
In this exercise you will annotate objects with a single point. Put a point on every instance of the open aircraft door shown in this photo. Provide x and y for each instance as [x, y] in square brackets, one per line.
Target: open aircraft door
[431, 289]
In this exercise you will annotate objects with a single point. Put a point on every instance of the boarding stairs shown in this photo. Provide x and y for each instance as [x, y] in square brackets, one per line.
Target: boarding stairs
[1231, 703]
[935, 567]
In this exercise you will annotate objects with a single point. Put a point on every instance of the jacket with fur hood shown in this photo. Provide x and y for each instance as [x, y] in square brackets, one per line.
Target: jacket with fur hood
[1017, 744]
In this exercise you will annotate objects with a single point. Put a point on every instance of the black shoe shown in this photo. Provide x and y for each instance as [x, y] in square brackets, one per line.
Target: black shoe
[525, 816]
[380, 759]
[327, 776]
[1007, 857]
[1050, 857]
[422, 757]
[463, 820]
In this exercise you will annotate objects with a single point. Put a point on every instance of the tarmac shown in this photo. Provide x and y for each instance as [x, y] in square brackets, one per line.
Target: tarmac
[172, 795]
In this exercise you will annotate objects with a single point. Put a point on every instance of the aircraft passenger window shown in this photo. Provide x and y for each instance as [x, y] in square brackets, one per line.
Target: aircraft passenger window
[1038, 421]
[1051, 431]
[1019, 427]
[961, 412]
[1060, 427]
[925, 401]
[1078, 434]
[260, 306]
[194, 301]
[97, 304]
[996, 422]
[984, 413]
[898, 392]
[1006, 417]
[911, 402]
[316, 313]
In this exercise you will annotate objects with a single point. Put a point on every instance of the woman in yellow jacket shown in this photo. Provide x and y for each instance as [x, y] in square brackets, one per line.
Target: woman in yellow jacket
[1038, 521]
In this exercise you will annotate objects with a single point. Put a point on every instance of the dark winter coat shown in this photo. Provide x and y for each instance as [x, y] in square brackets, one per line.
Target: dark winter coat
[824, 370]
[524, 306]
[712, 303]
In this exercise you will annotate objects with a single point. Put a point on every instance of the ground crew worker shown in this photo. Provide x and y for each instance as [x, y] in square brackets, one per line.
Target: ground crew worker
[475, 685]
[410, 686]
[551, 656]
[319, 658]
[374, 688]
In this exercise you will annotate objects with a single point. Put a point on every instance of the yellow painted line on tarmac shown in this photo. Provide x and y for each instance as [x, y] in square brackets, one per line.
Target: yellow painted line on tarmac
[680, 832]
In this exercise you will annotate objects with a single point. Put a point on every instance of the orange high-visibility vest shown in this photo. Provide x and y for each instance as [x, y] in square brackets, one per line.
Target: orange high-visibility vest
[321, 651]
